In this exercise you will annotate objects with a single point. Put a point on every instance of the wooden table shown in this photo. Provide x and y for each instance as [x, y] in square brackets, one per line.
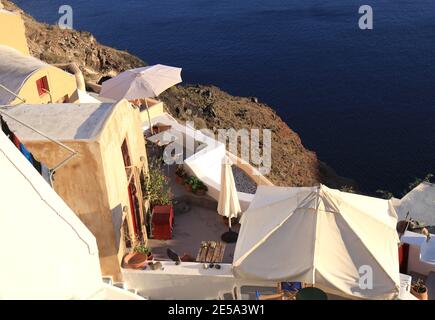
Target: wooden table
[211, 252]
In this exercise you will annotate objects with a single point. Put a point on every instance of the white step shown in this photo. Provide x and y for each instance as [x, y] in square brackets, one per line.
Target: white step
[108, 280]
[133, 291]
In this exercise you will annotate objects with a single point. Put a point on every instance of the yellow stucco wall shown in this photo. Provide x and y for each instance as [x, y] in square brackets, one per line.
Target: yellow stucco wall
[12, 32]
[94, 184]
[155, 109]
[60, 84]
[124, 123]
[81, 183]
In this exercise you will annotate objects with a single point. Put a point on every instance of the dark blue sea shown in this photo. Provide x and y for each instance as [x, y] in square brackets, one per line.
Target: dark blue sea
[363, 100]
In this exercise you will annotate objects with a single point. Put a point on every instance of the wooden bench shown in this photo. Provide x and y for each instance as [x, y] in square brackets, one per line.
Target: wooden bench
[211, 252]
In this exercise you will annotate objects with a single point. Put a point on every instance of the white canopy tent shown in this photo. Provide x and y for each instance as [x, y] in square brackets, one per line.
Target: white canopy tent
[419, 202]
[320, 236]
[48, 253]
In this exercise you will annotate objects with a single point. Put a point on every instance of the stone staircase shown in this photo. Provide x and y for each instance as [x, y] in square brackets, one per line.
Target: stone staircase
[109, 280]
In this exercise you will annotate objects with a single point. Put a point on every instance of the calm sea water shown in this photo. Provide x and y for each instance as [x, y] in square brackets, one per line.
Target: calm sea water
[363, 100]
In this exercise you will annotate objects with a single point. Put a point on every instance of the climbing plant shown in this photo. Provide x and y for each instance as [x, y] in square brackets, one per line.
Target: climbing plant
[156, 185]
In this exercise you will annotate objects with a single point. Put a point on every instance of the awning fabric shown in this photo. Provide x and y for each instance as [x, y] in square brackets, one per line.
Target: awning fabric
[419, 202]
[320, 236]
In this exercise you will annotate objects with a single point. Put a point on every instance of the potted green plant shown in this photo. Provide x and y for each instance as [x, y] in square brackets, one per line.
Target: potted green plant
[189, 182]
[143, 249]
[137, 259]
[419, 290]
[199, 188]
[180, 175]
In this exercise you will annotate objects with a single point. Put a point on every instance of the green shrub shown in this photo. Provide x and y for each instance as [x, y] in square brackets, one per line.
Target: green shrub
[196, 184]
[157, 188]
[142, 248]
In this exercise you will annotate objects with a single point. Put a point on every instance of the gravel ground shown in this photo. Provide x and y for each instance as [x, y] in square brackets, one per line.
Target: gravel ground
[243, 182]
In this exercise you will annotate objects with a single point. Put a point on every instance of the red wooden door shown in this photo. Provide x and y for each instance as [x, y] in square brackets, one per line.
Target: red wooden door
[133, 212]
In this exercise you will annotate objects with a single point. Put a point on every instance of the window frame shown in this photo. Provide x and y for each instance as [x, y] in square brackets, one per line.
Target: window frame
[42, 86]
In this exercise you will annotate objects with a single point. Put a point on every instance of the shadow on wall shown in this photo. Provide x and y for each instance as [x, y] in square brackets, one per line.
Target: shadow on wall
[117, 225]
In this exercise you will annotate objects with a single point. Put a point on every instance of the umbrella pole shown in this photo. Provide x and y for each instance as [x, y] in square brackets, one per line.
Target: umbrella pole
[230, 236]
[149, 117]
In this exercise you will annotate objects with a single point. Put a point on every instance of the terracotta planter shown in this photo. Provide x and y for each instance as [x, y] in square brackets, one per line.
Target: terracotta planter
[419, 295]
[188, 187]
[187, 258]
[179, 180]
[135, 260]
[200, 192]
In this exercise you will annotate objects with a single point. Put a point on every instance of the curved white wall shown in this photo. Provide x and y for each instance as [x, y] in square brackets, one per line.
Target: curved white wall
[205, 164]
[47, 252]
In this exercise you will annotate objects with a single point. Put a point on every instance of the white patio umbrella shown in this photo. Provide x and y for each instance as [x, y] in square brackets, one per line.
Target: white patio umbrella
[343, 243]
[145, 82]
[229, 205]
[141, 83]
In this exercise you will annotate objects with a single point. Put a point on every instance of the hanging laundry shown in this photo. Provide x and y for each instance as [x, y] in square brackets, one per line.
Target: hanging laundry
[5, 128]
[36, 164]
[43, 170]
[26, 153]
[15, 141]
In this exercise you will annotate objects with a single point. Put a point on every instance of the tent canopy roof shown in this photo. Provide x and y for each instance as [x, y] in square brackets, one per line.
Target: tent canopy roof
[321, 236]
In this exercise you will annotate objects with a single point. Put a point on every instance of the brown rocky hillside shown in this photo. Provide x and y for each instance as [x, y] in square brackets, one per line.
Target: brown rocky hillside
[209, 107]
[292, 164]
[53, 45]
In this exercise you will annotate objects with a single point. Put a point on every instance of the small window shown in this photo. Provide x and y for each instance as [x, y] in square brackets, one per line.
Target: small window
[42, 86]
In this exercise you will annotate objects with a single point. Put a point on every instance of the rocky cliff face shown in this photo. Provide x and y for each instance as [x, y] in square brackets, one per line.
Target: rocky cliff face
[211, 108]
[207, 106]
[53, 45]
